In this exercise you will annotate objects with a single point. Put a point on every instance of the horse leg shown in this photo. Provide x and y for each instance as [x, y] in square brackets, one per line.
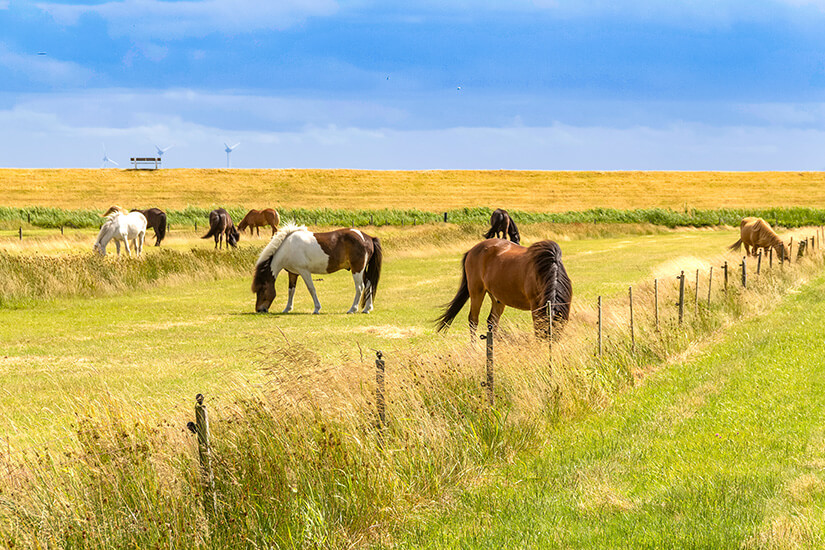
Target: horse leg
[358, 279]
[293, 280]
[117, 246]
[307, 277]
[141, 238]
[126, 245]
[495, 314]
[476, 299]
[747, 249]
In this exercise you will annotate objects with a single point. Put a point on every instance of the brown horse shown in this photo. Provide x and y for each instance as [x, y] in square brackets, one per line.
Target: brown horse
[115, 208]
[260, 218]
[301, 252]
[502, 224]
[515, 276]
[156, 219]
[220, 225]
[756, 233]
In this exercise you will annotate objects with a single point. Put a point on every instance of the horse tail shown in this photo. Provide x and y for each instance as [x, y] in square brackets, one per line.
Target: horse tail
[735, 246]
[212, 231]
[373, 271]
[491, 233]
[454, 307]
[160, 228]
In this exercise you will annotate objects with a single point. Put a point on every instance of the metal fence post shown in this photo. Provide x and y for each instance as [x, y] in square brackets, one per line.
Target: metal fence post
[380, 403]
[600, 326]
[744, 272]
[696, 294]
[710, 284]
[725, 269]
[759, 262]
[656, 301]
[681, 296]
[632, 332]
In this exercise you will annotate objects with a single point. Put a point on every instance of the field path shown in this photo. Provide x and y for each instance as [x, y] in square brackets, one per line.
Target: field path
[724, 451]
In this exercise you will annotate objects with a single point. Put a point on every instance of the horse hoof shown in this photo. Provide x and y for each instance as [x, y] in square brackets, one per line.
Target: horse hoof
[351, 311]
[366, 311]
[316, 312]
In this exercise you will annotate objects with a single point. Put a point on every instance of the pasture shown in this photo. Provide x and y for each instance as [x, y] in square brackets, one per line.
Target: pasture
[98, 380]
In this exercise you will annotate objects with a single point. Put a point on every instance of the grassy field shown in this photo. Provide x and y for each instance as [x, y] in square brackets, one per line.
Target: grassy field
[349, 189]
[726, 450]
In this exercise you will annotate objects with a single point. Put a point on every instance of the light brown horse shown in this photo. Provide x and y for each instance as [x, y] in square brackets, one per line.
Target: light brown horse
[756, 233]
[515, 276]
[260, 218]
[115, 208]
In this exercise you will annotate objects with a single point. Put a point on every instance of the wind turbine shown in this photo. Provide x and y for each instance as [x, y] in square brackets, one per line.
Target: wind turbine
[229, 150]
[106, 159]
[161, 151]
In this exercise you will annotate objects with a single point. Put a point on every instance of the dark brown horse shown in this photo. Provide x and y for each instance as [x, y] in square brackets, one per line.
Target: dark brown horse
[156, 219]
[301, 252]
[501, 224]
[220, 226]
[260, 218]
[515, 276]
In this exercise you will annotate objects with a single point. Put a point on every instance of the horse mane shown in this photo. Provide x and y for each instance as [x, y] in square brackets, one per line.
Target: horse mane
[546, 258]
[264, 262]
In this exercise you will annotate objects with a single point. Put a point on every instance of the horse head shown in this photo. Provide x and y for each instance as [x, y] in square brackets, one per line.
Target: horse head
[263, 285]
[233, 236]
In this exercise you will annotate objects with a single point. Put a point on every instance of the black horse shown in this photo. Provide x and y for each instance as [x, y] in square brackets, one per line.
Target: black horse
[220, 225]
[156, 219]
[502, 223]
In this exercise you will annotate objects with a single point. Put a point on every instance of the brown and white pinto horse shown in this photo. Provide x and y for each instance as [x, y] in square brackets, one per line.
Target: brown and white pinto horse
[502, 224]
[756, 233]
[220, 226]
[255, 219]
[515, 276]
[301, 253]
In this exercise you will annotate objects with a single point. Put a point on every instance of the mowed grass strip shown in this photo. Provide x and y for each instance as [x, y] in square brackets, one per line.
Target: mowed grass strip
[723, 451]
[437, 190]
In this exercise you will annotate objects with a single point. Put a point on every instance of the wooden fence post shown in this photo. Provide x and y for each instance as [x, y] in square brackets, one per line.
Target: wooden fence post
[710, 284]
[656, 301]
[725, 269]
[201, 427]
[632, 332]
[380, 403]
[600, 326]
[489, 382]
[770, 258]
[445, 217]
[681, 296]
[759, 262]
[696, 294]
[196, 227]
[29, 217]
[790, 252]
[20, 232]
[744, 272]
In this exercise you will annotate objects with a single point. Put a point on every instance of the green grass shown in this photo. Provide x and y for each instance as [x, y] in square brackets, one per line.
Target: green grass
[49, 217]
[722, 451]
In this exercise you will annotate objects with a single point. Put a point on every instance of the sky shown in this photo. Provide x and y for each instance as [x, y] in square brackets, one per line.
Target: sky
[415, 85]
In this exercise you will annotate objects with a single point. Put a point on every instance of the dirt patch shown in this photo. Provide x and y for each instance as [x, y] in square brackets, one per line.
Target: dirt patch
[390, 331]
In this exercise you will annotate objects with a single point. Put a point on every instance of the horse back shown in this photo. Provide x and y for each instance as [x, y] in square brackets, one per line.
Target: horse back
[345, 249]
[503, 269]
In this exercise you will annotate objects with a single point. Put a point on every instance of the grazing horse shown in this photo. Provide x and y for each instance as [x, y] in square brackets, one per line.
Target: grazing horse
[156, 219]
[515, 276]
[301, 252]
[756, 233]
[260, 218]
[122, 228]
[502, 224]
[220, 225]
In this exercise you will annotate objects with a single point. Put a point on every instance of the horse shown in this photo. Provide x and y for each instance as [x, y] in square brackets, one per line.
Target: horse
[756, 233]
[260, 218]
[122, 228]
[220, 226]
[526, 278]
[302, 252]
[156, 219]
[501, 223]
[114, 208]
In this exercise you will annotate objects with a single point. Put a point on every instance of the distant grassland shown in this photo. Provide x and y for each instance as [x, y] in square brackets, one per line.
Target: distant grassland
[39, 216]
[430, 191]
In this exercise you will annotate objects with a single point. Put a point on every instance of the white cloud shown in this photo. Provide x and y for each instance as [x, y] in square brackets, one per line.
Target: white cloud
[67, 131]
[43, 68]
[156, 19]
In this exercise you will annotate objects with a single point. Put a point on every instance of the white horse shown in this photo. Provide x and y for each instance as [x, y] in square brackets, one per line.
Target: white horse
[301, 253]
[122, 228]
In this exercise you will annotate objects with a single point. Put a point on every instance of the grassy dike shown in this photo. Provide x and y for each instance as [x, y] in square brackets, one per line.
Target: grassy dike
[725, 450]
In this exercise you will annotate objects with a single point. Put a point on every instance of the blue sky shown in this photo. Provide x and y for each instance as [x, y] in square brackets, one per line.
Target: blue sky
[441, 84]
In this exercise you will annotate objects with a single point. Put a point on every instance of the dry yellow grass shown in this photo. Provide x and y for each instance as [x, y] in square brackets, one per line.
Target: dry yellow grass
[426, 190]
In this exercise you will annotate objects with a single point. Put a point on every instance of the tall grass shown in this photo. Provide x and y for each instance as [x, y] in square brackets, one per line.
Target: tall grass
[299, 463]
[27, 279]
[191, 215]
